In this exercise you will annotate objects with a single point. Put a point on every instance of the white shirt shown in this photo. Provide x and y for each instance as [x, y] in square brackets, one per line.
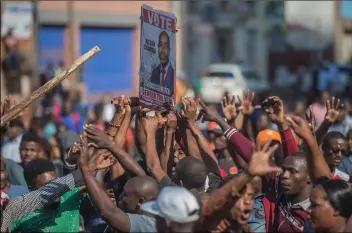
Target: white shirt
[11, 149]
[161, 73]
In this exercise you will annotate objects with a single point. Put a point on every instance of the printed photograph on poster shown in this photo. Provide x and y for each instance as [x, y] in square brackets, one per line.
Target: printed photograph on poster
[158, 57]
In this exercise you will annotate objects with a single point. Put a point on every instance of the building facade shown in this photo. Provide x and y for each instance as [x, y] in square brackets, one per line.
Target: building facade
[70, 28]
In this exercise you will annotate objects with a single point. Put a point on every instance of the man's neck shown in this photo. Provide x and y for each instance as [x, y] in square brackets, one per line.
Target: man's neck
[165, 65]
[302, 196]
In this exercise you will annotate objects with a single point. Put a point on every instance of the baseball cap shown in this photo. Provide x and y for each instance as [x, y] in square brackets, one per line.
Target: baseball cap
[175, 204]
[215, 128]
[268, 134]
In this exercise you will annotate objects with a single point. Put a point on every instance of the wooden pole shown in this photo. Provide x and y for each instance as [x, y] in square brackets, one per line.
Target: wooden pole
[16, 110]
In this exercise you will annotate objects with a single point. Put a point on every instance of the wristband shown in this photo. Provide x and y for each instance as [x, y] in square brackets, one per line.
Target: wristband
[114, 125]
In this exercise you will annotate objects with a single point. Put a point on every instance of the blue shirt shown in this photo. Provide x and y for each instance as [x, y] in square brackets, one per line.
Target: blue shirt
[17, 190]
[346, 165]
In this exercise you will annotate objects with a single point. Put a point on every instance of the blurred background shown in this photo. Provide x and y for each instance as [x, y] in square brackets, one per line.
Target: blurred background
[295, 49]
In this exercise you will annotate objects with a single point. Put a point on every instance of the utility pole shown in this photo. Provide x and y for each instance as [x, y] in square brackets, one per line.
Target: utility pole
[36, 49]
[71, 24]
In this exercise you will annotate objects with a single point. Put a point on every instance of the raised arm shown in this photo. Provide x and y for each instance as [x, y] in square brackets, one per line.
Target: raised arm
[167, 156]
[317, 165]
[99, 198]
[189, 114]
[150, 126]
[332, 114]
[19, 207]
[100, 140]
[274, 107]
[219, 204]
[240, 144]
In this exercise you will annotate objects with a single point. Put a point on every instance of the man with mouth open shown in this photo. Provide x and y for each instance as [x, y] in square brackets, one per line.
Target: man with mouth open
[334, 148]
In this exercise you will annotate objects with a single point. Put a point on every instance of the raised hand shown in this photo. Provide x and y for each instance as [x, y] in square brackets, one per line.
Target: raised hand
[332, 110]
[97, 138]
[73, 154]
[311, 119]
[120, 103]
[229, 108]
[208, 114]
[274, 107]
[83, 152]
[101, 161]
[189, 111]
[300, 127]
[247, 103]
[259, 165]
[171, 122]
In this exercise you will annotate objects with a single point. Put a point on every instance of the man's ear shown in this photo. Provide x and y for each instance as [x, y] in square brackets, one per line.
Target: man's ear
[336, 213]
[309, 181]
[141, 200]
[139, 203]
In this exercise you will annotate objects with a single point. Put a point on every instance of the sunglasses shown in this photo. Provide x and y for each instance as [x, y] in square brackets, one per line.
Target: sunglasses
[336, 151]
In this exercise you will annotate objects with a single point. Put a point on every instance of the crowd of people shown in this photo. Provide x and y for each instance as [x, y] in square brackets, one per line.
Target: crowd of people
[254, 168]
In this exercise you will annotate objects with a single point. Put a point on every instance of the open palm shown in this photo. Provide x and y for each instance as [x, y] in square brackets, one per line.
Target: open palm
[259, 164]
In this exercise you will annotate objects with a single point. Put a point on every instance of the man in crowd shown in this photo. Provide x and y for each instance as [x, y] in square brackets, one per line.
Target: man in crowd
[62, 215]
[10, 145]
[6, 186]
[334, 148]
[175, 209]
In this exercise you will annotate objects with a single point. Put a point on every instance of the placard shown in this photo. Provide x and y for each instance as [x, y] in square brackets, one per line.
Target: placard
[157, 72]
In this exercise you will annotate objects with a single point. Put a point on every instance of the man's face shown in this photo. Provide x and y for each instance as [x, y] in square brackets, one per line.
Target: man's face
[294, 176]
[320, 212]
[164, 49]
[29, 151]
[130, 198]
[3, 174]
[241, 211]
[334, 151]
[43, 179]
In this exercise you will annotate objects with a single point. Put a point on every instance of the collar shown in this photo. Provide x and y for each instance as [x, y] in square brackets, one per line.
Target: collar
[303, 204]
[166, 67]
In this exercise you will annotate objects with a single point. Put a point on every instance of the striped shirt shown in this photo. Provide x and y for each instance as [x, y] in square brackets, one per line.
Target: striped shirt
[19, 207]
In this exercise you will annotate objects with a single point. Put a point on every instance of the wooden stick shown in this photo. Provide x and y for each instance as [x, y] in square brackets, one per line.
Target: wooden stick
[16, 110]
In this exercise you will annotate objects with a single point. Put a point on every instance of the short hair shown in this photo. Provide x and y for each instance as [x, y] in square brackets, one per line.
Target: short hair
[332, 135]
[35, 168]
[300, 156]
[31, 137]
[16, 122]
[339, 195]
[192, 172]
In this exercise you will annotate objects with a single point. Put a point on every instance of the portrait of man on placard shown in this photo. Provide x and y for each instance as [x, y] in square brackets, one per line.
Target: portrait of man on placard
[163, 74]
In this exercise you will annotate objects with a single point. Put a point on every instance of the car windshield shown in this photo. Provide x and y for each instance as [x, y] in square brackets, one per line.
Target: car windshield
[250, 75]
[220, 74]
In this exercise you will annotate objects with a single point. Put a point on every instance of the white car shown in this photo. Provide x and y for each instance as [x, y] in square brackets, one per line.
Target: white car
[231, 78]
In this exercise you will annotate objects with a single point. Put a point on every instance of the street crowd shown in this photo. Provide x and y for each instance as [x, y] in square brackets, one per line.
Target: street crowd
[254, 168]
